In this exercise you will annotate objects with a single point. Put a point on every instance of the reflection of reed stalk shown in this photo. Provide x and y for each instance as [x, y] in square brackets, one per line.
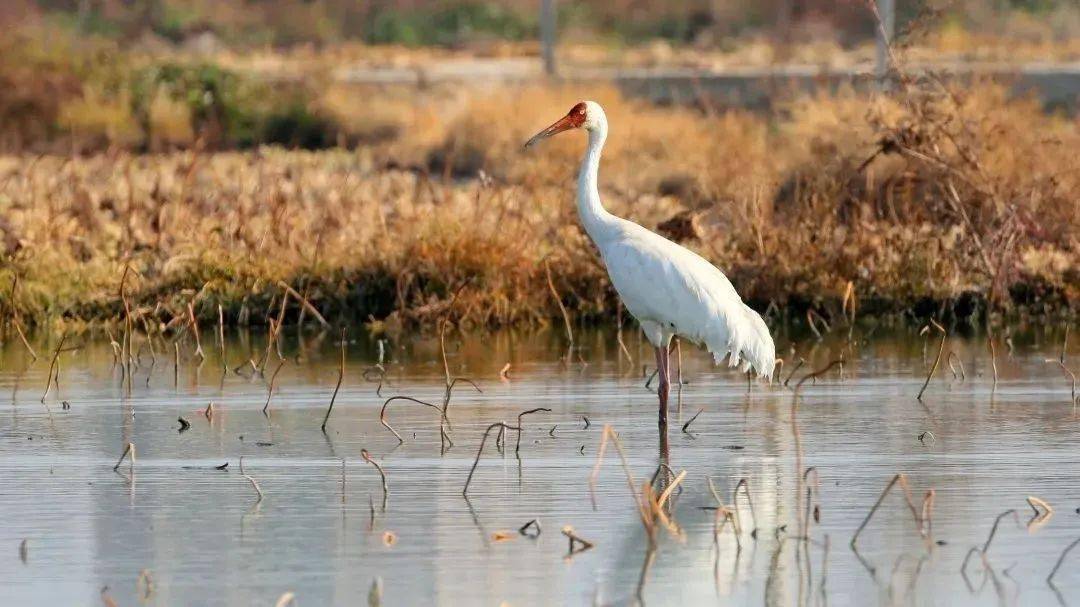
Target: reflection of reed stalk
[993, 355]
[195, 331]
[962, 375]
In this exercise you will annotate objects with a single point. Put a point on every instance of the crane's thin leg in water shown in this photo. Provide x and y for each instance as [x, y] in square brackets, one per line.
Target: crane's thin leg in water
[664, 385]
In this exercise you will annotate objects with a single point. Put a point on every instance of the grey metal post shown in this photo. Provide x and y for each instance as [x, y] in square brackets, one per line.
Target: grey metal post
[887, 10]
[547, 34]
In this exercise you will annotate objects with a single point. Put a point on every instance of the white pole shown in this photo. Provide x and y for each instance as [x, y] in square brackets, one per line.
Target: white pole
[547, 34]
[887, 10]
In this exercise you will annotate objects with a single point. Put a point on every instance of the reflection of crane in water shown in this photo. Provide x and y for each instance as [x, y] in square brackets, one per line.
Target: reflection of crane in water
[669, 289]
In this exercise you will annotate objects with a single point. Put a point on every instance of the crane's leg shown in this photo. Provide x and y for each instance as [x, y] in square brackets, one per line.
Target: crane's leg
[662, 373]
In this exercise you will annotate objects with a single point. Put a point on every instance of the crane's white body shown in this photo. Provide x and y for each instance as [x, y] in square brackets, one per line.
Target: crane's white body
[669, 289]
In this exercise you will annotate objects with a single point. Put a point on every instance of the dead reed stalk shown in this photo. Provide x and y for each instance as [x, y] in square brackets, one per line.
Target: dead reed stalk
[476, 462]
[451, 382]
[1061, 559]
[937, 359]
[386, 403]
[816, 374]
[558, 302]
[195, 331]
[340, 377]
[270, 388]
[382, 474]
[577, 543]
[129, 452]
[962, 375]
[798, 365]
[15, 321]
[900, 479]
[54, 370]
[304, 303]
[250, 479]
[521, 426]
[609, 433]
[993, 355]
[686, 426]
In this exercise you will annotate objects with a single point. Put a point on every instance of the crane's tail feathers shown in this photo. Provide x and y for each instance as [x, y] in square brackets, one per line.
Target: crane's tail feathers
[748, 346]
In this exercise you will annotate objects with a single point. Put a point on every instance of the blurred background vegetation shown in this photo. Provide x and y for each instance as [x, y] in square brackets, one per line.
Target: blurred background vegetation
[221, 148]
[462, 22]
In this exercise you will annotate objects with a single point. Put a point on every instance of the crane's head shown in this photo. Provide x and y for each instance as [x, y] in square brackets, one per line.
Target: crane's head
[586, 115]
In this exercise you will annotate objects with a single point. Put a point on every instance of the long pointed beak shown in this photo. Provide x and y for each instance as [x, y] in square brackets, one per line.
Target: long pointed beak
[563, 124]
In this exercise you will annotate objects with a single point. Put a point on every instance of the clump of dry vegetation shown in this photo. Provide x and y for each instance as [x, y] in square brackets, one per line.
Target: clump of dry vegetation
[921, 200]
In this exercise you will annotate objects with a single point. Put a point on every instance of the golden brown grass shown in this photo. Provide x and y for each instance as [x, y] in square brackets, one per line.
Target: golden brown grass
[396, 228]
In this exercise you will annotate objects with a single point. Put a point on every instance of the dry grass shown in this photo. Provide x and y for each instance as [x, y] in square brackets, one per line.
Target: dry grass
[396, 228]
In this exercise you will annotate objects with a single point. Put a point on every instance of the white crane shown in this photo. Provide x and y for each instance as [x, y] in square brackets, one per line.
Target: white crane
[669, 289]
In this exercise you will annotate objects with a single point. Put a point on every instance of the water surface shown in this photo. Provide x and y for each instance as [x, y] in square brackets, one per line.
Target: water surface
[204, 538]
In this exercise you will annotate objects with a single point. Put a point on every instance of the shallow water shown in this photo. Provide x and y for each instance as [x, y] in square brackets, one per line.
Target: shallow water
[205, 539]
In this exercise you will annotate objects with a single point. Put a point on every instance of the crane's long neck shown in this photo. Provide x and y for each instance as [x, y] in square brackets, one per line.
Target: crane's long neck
[596, 219]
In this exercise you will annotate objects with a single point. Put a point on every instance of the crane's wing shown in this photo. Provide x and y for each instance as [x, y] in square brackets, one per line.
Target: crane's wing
[662, 282]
